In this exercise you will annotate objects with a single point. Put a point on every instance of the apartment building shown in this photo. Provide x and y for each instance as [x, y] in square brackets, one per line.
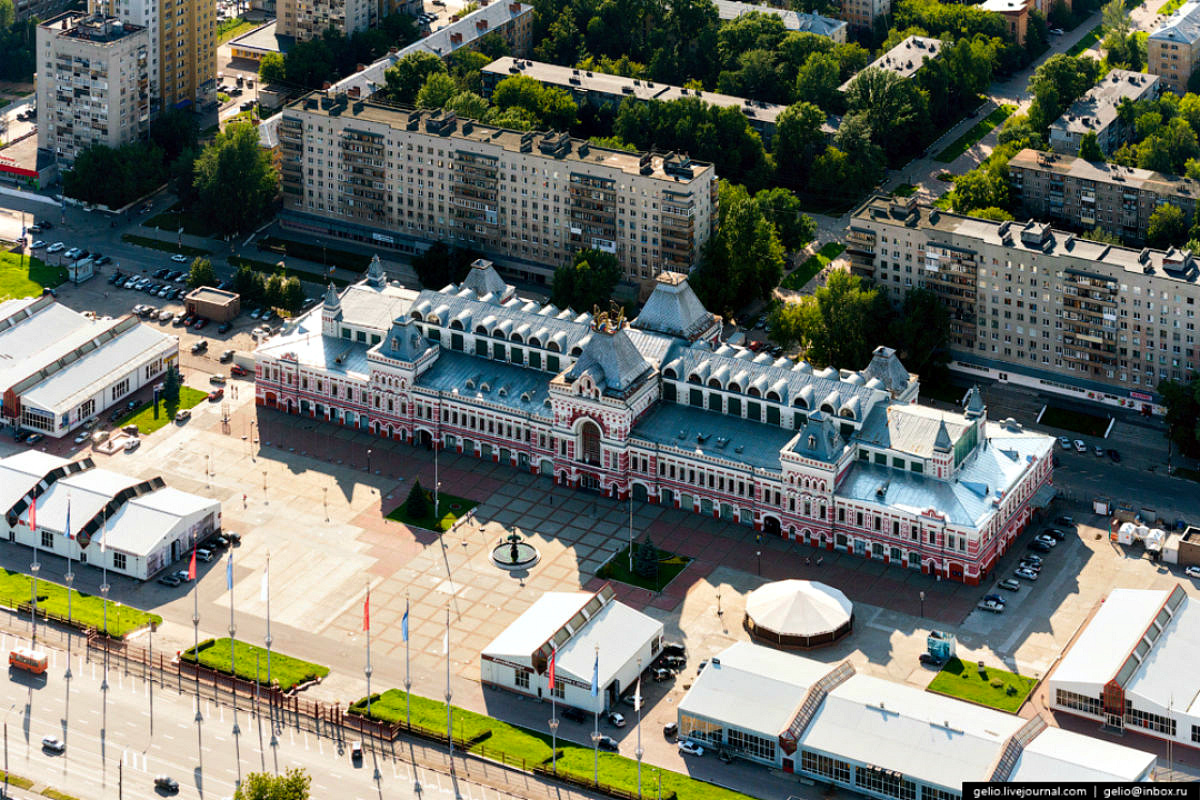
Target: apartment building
[906, 58]
[42, 9]
[308, 19]
[806, 22]
[600, 89]
[863, 13]
[1015, 14]
[1096, 112]
[93, 83]
[1173, 49]
[404, 179]
[1082, 195]
[1037, 306]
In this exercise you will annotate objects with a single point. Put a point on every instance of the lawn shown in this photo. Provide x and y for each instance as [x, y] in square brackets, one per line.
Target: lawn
[977, 132]
[143, 416]
[450, 506]
[994, 688]
[22, 276]
[1089, 39]
[234, 27]
[286, 671]
[166, 247]
[1170, 7]
[316, 253]
[797, 278]
[494, 738]
[174, 217]
[669, 565]
[1077, 421]
[269, 268]
[904, 190]
[87, 611]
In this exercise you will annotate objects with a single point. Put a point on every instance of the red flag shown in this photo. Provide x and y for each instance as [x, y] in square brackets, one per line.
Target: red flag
[367, 612]
[553, 655]
[192, 566]
[33, 515]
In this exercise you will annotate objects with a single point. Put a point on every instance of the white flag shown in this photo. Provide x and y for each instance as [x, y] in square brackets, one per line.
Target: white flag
[263, 594]
[637, 695]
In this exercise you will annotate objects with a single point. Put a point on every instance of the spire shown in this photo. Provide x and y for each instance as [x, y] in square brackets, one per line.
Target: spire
[973, 403]
[942, 443]
[375, 274]
[332, 300]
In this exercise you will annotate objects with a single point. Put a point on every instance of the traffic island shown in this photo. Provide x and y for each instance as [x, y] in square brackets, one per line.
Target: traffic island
[286, 673]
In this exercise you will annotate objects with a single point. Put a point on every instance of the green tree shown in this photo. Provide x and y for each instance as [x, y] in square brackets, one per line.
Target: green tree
[115, 177]
[292, 785]
[291, 297]
[894, 108]
[1098, 234]
[1167, 227]
[782, 208]
[818, 80]
[417, 504]
[551, 105]
[1089, 147]
[1182, 399]
[587, 281]
[248, 283]
[273, 290]
[921, 331]
[1057, 83]
[645, 559]
[437, 90]
[853, 138]
[236, 181]
[980, 188]
[202, 273]
[563, 43]
[171, 384]
[1114, 18]
[798, 140]
[992, 213]
[441, 265]
[743, 261]
[840, 324]
[271, 68]
[468, 105]
[406, 77]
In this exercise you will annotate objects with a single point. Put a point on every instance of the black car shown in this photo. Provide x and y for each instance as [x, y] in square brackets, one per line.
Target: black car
[671, 730]
[219, 542]
[166, 783]
[169, 580]
[606, 742]
[159, 273]
[1039, 547]
[1114, 455]
[200, 346]
[235, 539]
[224, 327]
[1065, 521]
[1056, 534]
[930, 661]
[34, 228]
[574, 714]
[674, 649]
[102, 260]
[46, 224]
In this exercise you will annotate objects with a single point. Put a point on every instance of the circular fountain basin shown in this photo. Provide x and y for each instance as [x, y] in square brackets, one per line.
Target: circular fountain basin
[526, 556]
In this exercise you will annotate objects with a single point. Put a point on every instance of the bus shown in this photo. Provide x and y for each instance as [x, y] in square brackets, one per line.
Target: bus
[29, 660]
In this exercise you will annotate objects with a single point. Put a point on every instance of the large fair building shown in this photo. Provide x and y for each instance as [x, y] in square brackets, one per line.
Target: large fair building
[61, 369]
[1036, 306]
[403, 179]
[661, 410]
[93, 83]
[1173, 49]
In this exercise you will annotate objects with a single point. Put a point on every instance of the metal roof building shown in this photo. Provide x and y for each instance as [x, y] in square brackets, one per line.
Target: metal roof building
[806, 22]
[878, 737]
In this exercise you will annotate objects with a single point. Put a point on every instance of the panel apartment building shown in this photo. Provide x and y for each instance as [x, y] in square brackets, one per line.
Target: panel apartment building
[93, 83]
[404, 179]
[1082, 195]
[1173, 49]
[309, 19]
[1096, 112]
[1036, 306]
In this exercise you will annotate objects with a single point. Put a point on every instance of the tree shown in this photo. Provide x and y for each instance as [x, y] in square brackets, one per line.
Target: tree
[441, 265]
[563, 43]
[840, 324]
[1114, 18]
[1057, 83]
[291, 297]
[818, 80]
[782, 208]
[468, 105]
[645, 559]
[1182, 399]
[236, 181]
[417, 504]
[1167, 228]
[202, 273]
[798, 140]
[743, 261]
[586, 282]
[115, 177]
[1089, 148]
[1098, 234]
[249, 285]
[551, 105]
[980, 188]
[894, 108]
[292, 785]
[171, 384]
[992, 213]
[271, 68]
[406, 77]
[437, 90]
[921, 331]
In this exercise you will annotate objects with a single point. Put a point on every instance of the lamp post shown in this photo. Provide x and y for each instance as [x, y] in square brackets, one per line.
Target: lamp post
[70, 576]
[758, 554]
[554, 738]
[368, 460]
[719, 611]
[264, 480]
[922, 604]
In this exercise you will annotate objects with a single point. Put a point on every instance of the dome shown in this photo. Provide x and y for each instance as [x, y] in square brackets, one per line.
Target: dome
[798, 614]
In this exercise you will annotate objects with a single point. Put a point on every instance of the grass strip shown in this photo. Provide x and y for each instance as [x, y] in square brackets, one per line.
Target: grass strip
[977, 132]
[55, 794]
[269, 268]
[143, 416]
[166, 247]
[1078, 421]
[26, 276]
[15, 780]
[316, 253]
[234, 27]
[1090, 38]
[989, 686]
[87, 611]
[799, 277]
[669, 565]
[450, 507]
[286, 671]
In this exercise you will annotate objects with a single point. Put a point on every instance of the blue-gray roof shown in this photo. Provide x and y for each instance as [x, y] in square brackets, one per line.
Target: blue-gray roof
[1182, 26]
[526, 318]
[731, 438]
[520, 389]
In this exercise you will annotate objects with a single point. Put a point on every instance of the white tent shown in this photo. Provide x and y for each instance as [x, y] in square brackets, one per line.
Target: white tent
[795, 609]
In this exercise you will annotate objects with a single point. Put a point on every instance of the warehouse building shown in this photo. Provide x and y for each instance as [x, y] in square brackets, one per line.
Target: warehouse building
[590, 632]
[62, 369]
[832, 724]
[216, 305]
[1133, 668]
[145, 524]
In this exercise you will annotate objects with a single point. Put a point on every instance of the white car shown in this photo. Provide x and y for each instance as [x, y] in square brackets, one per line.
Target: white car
[616, 719]
[992, 606]
[1080, 446]
[690, 748]
[132, 444]
[179, 258]
[1049, 541]
[54, 248]
[53, 744]
[166, 316]
[38, 245]
[1065, 442]
[82, 437]
[1026, 574]
[1192, 572]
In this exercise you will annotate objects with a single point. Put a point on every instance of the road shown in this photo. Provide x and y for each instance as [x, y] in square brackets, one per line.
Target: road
[114, 745]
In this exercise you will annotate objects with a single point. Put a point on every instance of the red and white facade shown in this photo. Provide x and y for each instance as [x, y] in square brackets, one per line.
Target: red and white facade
[660, 408]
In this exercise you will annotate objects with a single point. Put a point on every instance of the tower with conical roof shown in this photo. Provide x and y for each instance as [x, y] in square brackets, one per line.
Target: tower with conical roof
[376, 277]
[331, 312]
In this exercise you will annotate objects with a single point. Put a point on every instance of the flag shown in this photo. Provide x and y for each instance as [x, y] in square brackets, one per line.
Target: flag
[262, 595]
[103, 530]
[229, 573]
[446, 640]
[67, 532]
[550, 672]
[367, 612]
[33, 515]
[596, 676]
[404, 624]
[192, 565]
[637, 695]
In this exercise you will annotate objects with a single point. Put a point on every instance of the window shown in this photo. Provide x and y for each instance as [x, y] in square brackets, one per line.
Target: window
[48, 540]
[932, 793]
[118, 561]
[522, 678]
[1154, 722]
[753, 746]
[884, 781]
[826, 767]
[560, 689]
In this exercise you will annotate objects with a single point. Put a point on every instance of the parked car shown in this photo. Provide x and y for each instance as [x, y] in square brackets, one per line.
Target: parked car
[132, 444]
[166, 783]
[170, 580]
[574, 714]
[216, 379]
[931, 660]
[1192, 571]
[183, 415]
[995, 598]
[671, 730]
[659, 674]
[1065, 521]
[234, 538]
[53, 744]
[675, 662]
[992, 606]
[690, 748]
[1010, 585]
[608, 743]
[1114, 455]
[82, 437]
[159, 273]
[200, 346]
[199, 323]
[238, 370]
[182, 575]
[1026, 574]
[216, 394]
[1080, 446]
[179, 258]
[1047, 540]
[166, 316]
[102, 260]
[1039, 546]
[1055, 534]
[616, 719]
[73, 253]
[224, 327]
[226, 355]
[37, 245]
[1065, 442]
[204, 554]
[34, 438]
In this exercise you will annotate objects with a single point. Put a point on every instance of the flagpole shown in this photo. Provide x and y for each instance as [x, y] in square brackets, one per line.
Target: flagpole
[367, 625]
[267, 591]
[596, 710]
[34, 567]
[70, 580]
[637, 701]
[554, 708]
[407, 677]
[449, 729]
[196, 630]
[232, 645]
[104, 593]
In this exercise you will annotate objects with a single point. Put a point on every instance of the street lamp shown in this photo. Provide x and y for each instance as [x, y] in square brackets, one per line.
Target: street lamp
[758, 553]
[554, 737]
[368, 460]
[922, 604]
[719, 611]
[264, 480]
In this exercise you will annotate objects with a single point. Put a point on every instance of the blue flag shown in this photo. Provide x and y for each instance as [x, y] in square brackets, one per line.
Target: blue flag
[229, 573]
[67, 532]
[596, 676]
[404, 624]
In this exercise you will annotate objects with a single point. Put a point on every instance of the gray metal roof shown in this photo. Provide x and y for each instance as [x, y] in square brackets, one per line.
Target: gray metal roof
[484, 280]
[612, 361]
[792, 20]
[906, 58]
[519, 389]
[713, 435]
[1182, 26]
[674, 309]
[885, 365]
[910, 429]
[513, 318]
[403, 342]
[373, 307]
[819, 439]
[1097, 109]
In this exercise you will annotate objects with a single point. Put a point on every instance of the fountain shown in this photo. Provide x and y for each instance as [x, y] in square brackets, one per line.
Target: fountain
[514, 553]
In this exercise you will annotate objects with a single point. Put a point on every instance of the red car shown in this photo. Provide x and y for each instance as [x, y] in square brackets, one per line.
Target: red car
[200, 323]
[215, 395]
[237, 370]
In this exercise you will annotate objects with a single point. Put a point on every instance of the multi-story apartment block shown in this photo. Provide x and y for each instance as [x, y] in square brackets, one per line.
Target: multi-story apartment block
[93, 83]
[309, 19]
[1015, 14]
[863, 13]
[1173, 49]
[1083, 195]
[906, 58]
[1038, 306]
[403, 179]
[1096, 112]
[660, 411]
[42, 9]
[803, 21]
[600, 89]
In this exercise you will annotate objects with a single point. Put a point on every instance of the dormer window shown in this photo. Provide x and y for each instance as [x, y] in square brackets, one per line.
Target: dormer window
[812, 442]
[395, 342]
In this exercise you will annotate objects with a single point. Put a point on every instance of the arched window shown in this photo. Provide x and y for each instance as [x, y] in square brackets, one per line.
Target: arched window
[754, 392]
[694, 379]
[669, 374]
[516, 338]
[417, 316]
[590, 434]
[773, 395]
[847, 412]
[827, 408]
[553, 347]
[576, 350]
[713, 383]
[733, 386]
[534, 342]
[799, 401]
[456, 325]
[480, 330]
